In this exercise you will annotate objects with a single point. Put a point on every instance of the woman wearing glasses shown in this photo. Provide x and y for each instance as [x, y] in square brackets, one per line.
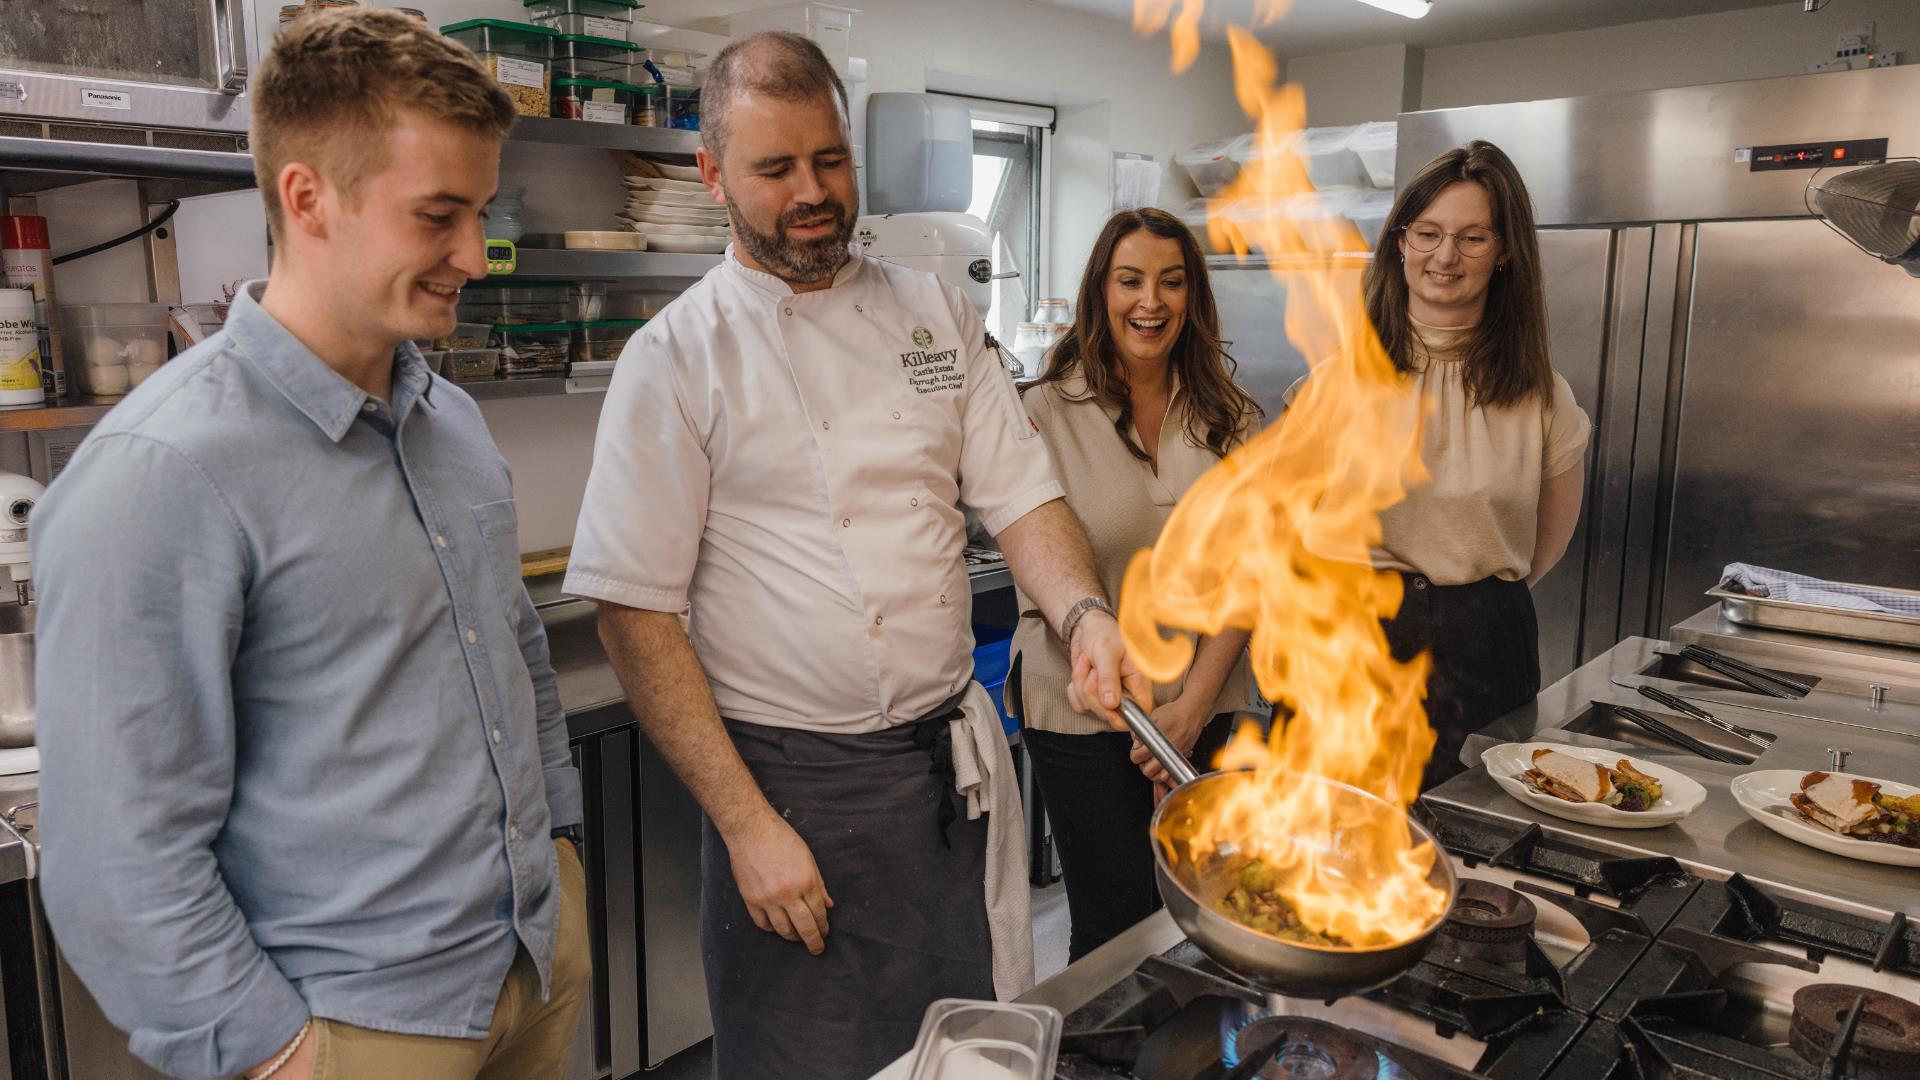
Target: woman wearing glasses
[1454, 290]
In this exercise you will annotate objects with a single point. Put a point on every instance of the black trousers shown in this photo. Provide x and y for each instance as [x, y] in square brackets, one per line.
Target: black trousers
[1101, 807]
[1485, 642]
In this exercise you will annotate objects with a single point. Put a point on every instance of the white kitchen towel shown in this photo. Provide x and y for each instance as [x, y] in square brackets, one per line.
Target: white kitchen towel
[983, 772]
[1801, 589]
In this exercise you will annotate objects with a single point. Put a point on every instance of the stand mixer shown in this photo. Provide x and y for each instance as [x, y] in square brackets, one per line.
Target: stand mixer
[18, 494]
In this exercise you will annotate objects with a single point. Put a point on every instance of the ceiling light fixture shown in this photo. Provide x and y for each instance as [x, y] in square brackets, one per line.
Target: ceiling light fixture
[1412, 9]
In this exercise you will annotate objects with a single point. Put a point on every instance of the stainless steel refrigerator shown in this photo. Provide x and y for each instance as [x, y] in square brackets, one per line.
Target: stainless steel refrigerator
[1754, 379]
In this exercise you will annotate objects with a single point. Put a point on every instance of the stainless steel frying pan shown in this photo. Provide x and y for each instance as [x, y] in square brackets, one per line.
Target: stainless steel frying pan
[1191, 888]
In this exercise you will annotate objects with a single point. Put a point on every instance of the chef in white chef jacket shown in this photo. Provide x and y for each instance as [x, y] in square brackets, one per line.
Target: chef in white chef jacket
[781, 454]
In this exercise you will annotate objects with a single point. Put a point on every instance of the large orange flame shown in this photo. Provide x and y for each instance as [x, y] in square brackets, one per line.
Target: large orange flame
[1276, 539]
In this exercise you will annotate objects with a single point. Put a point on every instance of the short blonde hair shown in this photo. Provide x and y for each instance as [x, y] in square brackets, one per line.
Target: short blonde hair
[330, 87]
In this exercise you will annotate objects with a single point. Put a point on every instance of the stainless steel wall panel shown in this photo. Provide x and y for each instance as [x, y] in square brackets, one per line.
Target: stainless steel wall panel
[1669, 293]
[1669, 155]
[1798, 435]
[675, 979]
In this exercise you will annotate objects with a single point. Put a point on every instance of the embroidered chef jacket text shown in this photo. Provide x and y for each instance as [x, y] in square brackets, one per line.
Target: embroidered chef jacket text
[790, 464]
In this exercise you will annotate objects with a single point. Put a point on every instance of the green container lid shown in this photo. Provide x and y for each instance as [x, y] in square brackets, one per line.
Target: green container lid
[602, 42]
[597, 84]
[533, 328]
[634, 4]
[501, 25]
[614, 324]
[650, 90]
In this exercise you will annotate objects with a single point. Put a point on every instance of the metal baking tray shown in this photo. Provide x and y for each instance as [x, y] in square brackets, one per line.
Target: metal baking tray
[1773, 614]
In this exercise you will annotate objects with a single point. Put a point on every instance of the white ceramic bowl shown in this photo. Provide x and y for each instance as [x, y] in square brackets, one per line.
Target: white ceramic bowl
[1680, 794]
[1763, 795]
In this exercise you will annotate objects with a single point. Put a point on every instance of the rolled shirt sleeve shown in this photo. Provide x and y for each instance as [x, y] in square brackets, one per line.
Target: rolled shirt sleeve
[556, 760]
[645, 506]
[142, 577]
[1005, 470]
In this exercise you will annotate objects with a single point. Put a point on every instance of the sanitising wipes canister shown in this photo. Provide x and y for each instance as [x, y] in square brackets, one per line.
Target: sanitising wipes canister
[19, 349]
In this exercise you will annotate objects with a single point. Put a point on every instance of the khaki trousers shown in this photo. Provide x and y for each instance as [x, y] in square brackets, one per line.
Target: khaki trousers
[529, 1040]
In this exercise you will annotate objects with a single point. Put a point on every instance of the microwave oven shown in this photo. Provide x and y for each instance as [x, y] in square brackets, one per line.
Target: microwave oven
[68, 67]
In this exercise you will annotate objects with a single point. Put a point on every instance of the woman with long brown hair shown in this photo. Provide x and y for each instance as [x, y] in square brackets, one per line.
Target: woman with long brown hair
[1136, 402]
[1454, 290]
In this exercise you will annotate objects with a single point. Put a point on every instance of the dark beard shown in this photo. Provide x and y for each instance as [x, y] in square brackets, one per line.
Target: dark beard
[807, 261]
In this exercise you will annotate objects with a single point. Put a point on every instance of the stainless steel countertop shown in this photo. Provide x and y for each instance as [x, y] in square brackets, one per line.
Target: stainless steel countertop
[1718, 839]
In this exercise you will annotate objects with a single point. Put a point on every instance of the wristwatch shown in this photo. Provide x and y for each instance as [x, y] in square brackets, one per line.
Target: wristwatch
[1077, 612]
[569, 833]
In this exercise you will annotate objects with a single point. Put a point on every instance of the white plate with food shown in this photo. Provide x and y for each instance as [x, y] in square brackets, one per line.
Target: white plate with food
[1593, 785]
[1836, 812]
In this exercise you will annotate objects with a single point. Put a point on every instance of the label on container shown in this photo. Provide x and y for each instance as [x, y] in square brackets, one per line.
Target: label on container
[105, 99]
[13, 91]
[512, 72]
[603, 112]
[19, 354]
[606, 28]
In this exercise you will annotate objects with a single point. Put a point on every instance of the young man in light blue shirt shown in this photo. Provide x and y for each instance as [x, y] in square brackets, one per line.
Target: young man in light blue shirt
[306, 786]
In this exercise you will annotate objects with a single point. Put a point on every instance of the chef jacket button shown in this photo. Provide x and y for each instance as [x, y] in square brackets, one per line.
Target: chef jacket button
[789, 311]
[896, 416]
[846, 522]
[859, 309]
[513, 832]
[879, 620]
[915, 502]
[472, 637]
[826, 425]
[439, 541]
[943, 598]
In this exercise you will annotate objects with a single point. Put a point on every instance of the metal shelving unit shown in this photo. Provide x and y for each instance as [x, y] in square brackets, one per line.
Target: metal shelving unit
[612, 265]
[644, 140]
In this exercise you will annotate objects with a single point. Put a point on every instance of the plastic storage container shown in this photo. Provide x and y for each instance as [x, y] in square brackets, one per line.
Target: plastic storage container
[970, 1040]
[919, 154]
[587, 56]
[518, 55]
[1368, 211]
[1211, 164]
[597, 100]
[514, 304]
[112, 348]
[1327, 152]
[650, 106]
[466, 335]
[1376, 145]
[683, 107]
[468, 365]
[600, 18]
[596, 342]
[535, 348]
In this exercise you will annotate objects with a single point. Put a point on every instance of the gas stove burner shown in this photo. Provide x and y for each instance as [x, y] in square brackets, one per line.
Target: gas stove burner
[1490, 922]
[1298, 1048]
[1886, 1042]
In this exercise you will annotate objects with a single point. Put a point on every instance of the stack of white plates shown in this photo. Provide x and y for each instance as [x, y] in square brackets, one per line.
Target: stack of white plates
[675, 215]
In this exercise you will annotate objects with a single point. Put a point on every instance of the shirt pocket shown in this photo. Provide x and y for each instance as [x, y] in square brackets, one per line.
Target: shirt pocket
[499, 525]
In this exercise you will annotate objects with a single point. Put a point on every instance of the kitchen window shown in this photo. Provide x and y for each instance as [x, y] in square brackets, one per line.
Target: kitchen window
[1009, 167]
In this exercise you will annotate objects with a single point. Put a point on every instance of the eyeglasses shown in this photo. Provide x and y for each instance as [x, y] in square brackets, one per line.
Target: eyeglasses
[1471, 244]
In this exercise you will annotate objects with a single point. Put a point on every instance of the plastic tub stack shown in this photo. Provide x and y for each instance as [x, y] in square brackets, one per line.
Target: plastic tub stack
[572, 61]
[1351, 169]
[537, 331]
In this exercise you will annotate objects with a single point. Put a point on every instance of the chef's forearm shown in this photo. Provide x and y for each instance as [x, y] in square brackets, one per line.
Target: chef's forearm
[668, 692]
[1051, 560]
[1213, 661]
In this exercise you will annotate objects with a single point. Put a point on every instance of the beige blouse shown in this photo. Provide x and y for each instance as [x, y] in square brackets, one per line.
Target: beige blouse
[1478, 515]
[1123, 505]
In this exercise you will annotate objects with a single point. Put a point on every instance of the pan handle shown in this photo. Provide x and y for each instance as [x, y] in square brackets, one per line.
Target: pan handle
[1155, 740]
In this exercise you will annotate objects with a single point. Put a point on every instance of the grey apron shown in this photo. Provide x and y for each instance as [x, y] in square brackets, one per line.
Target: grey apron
[906, 871]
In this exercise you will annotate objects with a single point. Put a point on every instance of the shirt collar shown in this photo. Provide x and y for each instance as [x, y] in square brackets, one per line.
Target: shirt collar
[764, 282]
[322, 394]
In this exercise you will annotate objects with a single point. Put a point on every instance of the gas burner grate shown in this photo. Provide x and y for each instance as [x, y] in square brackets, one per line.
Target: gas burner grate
[1477, 837]
[1739, 908]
